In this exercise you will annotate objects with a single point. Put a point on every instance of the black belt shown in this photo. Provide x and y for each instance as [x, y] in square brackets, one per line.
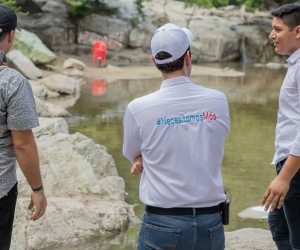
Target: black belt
[183, 210]
[282, 162]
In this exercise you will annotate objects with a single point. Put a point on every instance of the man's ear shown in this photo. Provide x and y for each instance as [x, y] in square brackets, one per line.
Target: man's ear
[297, 29]
[152, 59]
[10, 36]
[187, 58]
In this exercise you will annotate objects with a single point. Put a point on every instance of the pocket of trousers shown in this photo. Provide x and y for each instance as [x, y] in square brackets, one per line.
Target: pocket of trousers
[217, 237]
[160, 237]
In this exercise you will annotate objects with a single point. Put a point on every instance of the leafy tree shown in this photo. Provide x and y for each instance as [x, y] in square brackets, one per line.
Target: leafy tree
[13, 5]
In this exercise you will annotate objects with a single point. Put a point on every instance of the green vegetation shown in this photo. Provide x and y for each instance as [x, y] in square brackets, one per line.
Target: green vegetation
[12, 4]
[250, 4]
[140, 15]
[80, 9]
[205, 3]
[140, 8]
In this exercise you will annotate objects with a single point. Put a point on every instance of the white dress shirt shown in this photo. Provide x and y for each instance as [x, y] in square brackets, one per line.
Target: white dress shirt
[180, 131]
[287, 139]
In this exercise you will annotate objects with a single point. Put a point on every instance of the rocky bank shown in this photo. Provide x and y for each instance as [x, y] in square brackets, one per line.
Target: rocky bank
[85, 193]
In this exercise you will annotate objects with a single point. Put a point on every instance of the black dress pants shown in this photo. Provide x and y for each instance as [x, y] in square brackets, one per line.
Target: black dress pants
[7, 212]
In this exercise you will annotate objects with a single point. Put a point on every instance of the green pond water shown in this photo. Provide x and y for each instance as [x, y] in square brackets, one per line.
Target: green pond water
[249, 148]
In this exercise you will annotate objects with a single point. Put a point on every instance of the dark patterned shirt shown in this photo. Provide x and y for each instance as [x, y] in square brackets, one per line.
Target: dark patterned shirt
[17, 112]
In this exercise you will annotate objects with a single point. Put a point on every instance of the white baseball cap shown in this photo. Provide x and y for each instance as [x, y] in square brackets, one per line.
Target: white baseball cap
[172, 39]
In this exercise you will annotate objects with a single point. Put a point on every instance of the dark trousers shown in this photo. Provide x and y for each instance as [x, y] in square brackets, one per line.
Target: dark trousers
[284, 223]
[7, 212]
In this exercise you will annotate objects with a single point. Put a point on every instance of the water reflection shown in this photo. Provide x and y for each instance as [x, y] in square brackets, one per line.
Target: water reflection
[98, 86]
[249, 147]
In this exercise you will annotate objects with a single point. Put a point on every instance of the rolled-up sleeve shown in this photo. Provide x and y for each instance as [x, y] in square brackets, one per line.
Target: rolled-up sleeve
[131, 142]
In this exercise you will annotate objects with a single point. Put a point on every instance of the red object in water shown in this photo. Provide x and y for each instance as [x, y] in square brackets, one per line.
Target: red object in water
[99, 52]
[98, 86]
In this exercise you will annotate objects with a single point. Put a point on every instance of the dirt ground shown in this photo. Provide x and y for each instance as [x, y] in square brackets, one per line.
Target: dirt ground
[115, 69]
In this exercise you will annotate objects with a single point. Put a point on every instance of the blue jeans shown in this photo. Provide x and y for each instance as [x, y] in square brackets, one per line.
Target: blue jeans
[284, 223]
[181, 232]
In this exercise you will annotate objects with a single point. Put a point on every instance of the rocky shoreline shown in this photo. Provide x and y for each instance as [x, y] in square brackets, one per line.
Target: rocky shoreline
[85, 193]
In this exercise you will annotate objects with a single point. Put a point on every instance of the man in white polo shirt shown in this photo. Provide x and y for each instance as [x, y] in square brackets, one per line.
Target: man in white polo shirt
[179, 131]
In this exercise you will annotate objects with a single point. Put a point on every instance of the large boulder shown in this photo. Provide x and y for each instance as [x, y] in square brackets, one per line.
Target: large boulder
[214, 40]
[46, 109]
[249, 239]
[74, 63]
[32, 47]
[42, 91]
[23, 64]
[60, 83]
[85, 194]
[223, 34]
[69, 221]
[114, 32]
[140, 36]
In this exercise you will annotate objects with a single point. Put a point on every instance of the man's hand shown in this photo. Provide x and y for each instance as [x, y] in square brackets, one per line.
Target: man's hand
[275, 194]
[279, 187]
[137, 167]
[38, 200]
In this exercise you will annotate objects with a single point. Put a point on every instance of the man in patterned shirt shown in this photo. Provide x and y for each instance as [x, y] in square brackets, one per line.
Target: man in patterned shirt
[17, 117]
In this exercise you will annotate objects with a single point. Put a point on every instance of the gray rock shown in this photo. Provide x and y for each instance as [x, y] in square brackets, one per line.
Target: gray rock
[32, 47]
[55, 7]
[85, 194]
[24, 65]
[45, 109]
[74, 63]
[249, 239]
[73, 72]
[254, 212]
[60, 83]
[38, 90]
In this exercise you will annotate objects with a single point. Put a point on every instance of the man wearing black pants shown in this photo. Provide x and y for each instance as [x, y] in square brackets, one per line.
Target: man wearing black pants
[283, 194]
[17, 117]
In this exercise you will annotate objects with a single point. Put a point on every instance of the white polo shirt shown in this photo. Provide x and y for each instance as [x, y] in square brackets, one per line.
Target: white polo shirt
[180, 131]
[287, 139]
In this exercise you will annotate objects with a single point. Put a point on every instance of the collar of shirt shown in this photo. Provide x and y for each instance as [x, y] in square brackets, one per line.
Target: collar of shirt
[294, 57]
[175, 81]
[3, 57]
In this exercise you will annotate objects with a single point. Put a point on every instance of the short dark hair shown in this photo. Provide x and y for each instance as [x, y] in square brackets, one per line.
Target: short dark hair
[3, 35]
[172, 66]
[289, 13]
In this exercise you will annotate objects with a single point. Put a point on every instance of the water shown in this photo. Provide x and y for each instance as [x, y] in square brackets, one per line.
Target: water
[249, 148]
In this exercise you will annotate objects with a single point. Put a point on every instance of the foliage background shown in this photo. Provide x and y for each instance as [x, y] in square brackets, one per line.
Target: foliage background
[250, 4]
